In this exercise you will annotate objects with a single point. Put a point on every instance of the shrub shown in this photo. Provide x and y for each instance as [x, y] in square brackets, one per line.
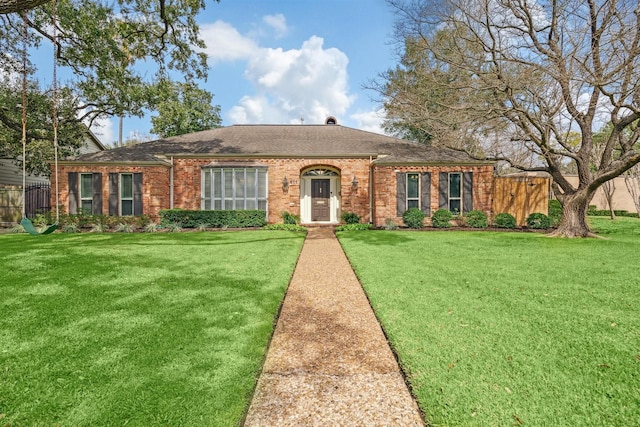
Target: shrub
[413, 218]
[285, 227]
[289, 218]
[124, 227]
[538, 221]
[476, 219]
[215, 219]
[354, 227]
[504, 220]
[555, 212]
[350, 218]
[173, 227]
[152, 227]
[441, 218]
[390, 224]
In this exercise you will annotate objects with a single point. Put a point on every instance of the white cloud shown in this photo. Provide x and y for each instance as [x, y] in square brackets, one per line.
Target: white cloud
[278, 23]
[370, 121]
[225, 43]
[310, 83]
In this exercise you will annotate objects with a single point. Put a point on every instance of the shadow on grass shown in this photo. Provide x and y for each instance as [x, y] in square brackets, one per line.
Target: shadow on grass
[377, 237]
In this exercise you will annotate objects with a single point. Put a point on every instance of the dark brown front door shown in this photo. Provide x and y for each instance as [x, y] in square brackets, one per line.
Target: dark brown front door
[320, 200]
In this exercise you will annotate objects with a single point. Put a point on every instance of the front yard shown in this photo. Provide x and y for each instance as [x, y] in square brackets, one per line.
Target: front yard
[510, 328]
[137, 329]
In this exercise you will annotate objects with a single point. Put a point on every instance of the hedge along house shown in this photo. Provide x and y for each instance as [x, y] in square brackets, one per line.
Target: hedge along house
[315, 171]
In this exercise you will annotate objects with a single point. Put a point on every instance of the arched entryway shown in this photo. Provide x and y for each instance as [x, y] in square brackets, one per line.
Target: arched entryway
[320, 195]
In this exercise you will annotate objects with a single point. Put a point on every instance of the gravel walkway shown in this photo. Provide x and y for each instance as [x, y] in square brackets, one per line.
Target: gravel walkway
[329, 362]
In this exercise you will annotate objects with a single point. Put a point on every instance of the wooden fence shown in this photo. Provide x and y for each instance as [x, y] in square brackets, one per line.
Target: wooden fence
[37, 201]
[520, 196]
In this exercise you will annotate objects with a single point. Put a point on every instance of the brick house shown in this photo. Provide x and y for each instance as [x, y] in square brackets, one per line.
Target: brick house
[315, 171]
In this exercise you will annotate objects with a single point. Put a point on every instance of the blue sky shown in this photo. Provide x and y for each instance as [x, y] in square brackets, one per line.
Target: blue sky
[274, 61]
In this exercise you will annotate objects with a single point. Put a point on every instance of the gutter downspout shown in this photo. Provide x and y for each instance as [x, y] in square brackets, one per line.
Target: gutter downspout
[171, 185]
[371, 188]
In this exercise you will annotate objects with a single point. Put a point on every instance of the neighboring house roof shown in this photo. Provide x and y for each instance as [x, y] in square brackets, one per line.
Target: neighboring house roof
[299, 141]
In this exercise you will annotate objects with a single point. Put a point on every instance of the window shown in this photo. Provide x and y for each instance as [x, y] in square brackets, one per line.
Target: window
[413, 190]
[126, 194]
[455, 192]
[234, 188]
[86, 193]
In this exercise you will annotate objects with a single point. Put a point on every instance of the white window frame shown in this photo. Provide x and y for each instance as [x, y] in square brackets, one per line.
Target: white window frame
[407, 191]
[449, 192]
[121, 197]
[237, 199]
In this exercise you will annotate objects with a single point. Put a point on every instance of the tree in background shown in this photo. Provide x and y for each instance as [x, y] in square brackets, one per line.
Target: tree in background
[119, 53]
[511, 81]
[39, 148]
[183, 108]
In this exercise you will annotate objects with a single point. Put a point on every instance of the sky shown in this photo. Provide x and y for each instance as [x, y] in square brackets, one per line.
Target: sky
[289, 62]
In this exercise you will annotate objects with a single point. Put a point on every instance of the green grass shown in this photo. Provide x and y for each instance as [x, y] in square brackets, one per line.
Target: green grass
[137, 329]
[504, 329]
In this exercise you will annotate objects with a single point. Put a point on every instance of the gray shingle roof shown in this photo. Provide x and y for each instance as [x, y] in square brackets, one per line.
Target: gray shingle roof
[280, 141]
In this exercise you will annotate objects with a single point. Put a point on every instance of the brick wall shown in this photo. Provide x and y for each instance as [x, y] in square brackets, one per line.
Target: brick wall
[187, 185]
[155, 185]
[385, 185]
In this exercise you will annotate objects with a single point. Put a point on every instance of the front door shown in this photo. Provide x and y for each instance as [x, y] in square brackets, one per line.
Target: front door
[320, 198]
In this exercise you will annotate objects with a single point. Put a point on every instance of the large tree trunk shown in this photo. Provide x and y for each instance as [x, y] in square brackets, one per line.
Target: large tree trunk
[10, 6]
[574, 216]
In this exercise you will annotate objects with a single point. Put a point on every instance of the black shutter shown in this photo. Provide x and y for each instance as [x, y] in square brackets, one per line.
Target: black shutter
[467, 196]
[425, 204]
[137, 194]
[113, 194]
[73, 193]
[401, 193]
[443, 190]
[96, 186]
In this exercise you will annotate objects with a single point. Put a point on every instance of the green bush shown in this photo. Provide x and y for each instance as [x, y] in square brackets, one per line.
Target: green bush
[538, 221]
[476, 219]
[413, 218]
[592, 211]
[350, 218]
[215, 219]
[289, 218]
[555, 212]
[285, 227]
[441, 218]
[505, 220]
[354, 227]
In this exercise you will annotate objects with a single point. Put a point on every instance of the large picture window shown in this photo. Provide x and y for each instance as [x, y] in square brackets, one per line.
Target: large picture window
[234, 188]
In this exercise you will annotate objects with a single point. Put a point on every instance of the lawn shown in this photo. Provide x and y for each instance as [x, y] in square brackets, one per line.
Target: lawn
[504, 329]
[137, 329]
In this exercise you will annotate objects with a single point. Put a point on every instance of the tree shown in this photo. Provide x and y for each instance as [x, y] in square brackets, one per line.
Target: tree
[109, 47]
[39, 130]
[519, 77]
[183, 108]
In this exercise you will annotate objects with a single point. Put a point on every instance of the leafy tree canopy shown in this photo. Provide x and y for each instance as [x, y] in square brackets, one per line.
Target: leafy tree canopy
[183, 108]
[39, 130]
